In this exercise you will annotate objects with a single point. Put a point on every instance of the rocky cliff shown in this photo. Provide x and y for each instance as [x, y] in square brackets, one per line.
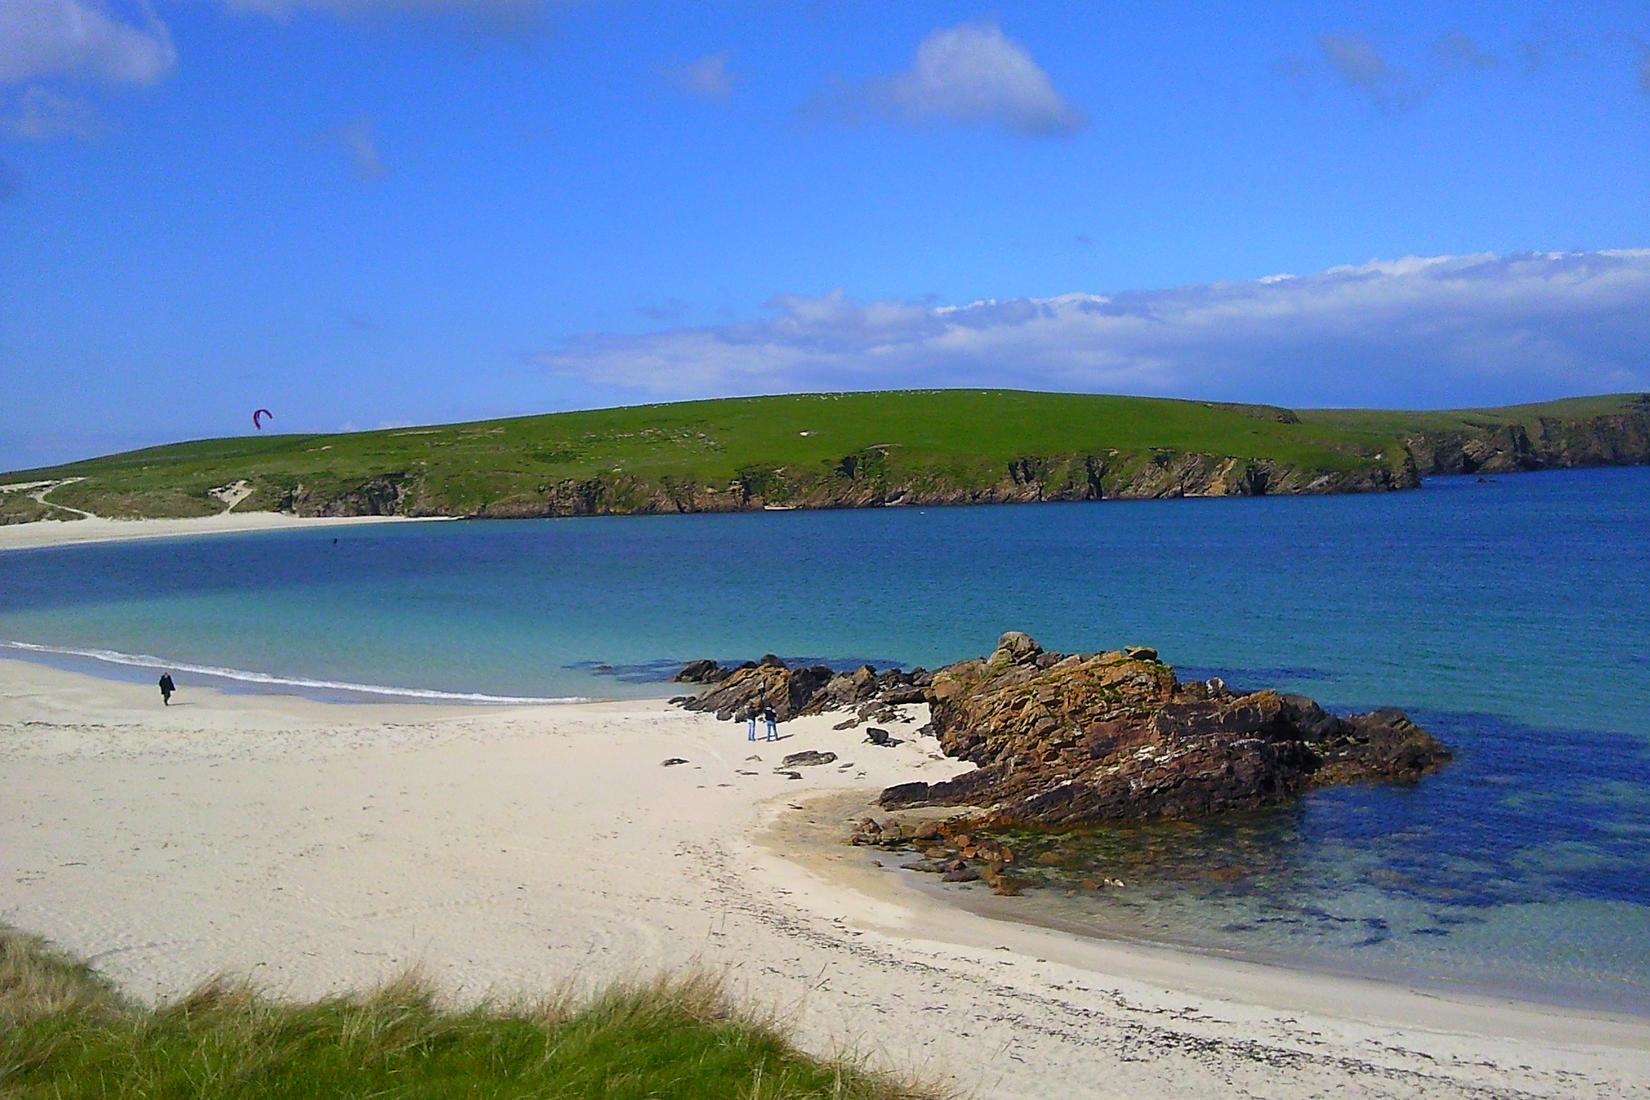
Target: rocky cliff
[876, 478]
[1544, 443]
[867, 480]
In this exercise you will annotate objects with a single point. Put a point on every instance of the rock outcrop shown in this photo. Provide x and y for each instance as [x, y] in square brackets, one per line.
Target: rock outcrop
[796, 691]
[703, 671]
[767, 682]
[1062, 740]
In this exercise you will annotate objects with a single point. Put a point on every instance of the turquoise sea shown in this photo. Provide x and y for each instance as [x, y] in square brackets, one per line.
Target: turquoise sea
[1511, 616]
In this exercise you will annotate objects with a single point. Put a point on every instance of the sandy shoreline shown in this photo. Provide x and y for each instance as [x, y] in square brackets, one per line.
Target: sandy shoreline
[70, 532]
[510, 850]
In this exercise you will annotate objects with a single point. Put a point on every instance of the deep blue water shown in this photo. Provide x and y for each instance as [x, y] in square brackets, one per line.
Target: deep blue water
[1512, 618]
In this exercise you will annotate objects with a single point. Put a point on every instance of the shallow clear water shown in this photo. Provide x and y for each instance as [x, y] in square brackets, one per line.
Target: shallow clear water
[1512, 617]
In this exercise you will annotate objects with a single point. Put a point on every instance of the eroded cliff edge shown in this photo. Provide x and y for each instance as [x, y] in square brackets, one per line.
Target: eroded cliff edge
[834, 451]
[1543, 443]
[877, 476]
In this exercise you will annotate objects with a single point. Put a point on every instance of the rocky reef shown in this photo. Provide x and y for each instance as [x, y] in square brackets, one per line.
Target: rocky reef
[1062, 740]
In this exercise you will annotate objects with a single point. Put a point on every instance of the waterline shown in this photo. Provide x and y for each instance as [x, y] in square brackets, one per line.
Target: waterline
[244, 676]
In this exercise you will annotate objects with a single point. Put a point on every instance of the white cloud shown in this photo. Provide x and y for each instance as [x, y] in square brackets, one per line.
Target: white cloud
[43, 38]
[969, 75]
[706, 77]
[42, 114]
[1463, 330]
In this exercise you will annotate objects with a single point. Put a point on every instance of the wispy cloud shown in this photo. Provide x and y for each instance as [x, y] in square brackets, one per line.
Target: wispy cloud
[507, 17]
[968, 75]
[706, 78]
[48, 38]
[8, 182]
[1355, 59]
[1457, 49]
[1448, 330]
[41, 114]
[671, 309]
[1357, 62]
[1644, 68]
[356, 139]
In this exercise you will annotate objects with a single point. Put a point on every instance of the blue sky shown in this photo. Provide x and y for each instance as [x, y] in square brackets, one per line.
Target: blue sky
[369, 212]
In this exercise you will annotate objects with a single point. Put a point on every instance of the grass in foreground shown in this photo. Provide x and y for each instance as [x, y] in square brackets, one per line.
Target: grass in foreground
[65, 1033]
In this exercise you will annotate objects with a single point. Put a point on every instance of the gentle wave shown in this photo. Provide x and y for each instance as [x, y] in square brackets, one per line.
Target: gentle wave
[145, 660]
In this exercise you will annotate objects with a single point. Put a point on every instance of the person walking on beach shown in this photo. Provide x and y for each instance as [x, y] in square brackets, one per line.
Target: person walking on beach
[771, 720]
[750, 722]
[166, 689]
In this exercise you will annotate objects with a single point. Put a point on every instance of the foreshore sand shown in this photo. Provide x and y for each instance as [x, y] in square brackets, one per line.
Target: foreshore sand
[65, 532]
[510, 851]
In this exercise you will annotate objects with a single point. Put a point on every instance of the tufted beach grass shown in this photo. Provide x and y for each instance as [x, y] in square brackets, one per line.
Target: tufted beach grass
[66, 1033]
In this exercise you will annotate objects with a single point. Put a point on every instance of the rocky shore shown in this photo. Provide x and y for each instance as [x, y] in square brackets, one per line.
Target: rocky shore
[1062, 741]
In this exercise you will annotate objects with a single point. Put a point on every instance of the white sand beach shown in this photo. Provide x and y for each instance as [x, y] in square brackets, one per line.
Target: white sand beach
[91, 528]
[507, 851]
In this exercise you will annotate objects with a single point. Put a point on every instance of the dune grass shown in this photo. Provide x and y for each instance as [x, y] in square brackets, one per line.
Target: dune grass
[64, 1033]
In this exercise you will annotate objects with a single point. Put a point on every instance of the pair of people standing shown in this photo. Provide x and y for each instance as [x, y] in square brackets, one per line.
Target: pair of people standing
[765, 712]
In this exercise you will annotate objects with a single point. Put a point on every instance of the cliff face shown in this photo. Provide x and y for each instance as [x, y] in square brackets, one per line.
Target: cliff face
[866, 480]
[1620, 439]
[875, 477]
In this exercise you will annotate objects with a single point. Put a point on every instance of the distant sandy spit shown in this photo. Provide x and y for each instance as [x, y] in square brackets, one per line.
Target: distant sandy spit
[509, 851]
[52, 532]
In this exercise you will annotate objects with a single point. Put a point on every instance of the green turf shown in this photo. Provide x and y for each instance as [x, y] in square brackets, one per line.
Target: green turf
[776, 446]
[64, 1034]
[1386, 423]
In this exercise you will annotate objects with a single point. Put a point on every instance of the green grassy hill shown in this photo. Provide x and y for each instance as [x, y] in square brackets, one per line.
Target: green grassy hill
[817, 450]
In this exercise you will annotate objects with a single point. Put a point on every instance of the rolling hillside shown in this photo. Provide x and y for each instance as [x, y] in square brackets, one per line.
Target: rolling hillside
[833, 450]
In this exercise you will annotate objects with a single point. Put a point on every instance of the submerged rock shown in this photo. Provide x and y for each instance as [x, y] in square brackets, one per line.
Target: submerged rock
[1066, 739]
